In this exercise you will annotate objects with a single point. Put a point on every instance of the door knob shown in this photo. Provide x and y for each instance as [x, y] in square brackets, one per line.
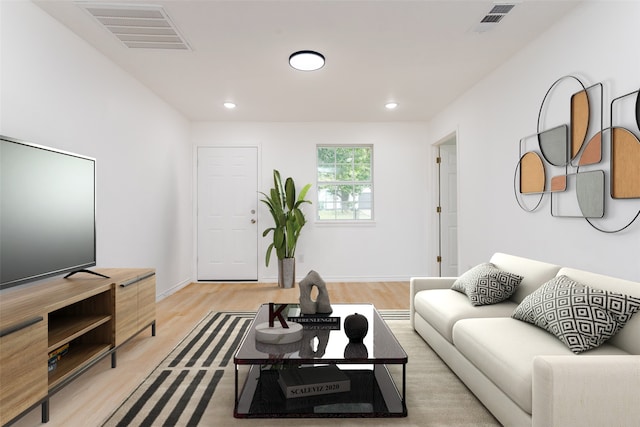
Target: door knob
[253, 221]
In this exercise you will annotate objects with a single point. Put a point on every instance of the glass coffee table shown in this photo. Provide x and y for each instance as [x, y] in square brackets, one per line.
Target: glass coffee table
[371, 390]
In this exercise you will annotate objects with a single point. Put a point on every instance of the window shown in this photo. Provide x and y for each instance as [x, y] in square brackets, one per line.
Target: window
[345, 182]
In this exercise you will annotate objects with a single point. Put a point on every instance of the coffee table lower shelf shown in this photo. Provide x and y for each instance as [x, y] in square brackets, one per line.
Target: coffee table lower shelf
[373, 394]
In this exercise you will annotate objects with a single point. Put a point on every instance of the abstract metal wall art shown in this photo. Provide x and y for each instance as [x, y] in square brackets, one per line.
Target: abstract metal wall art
[574, 158]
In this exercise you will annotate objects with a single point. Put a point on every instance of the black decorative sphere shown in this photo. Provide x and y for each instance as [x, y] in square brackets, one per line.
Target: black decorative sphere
[356, 327]
[355, 350]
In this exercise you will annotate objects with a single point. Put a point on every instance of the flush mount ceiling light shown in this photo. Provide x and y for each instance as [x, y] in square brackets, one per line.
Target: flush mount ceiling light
[306, 60]
[229, 105]
[391, 105]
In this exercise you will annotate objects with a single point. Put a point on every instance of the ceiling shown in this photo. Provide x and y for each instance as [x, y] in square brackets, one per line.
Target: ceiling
[421, 54]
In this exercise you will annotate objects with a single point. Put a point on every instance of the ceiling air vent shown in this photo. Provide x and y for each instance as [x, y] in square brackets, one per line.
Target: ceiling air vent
[138, 26]
[495, 15]
[501, 9]
[492, 19]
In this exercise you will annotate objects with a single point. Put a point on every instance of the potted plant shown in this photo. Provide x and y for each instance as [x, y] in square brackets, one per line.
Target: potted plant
[289, 220]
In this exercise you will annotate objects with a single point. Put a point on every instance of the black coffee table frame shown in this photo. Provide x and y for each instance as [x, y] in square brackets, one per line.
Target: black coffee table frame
[373, 392]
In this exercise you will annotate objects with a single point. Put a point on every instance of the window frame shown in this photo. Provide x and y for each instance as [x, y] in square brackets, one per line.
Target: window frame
[369, 183]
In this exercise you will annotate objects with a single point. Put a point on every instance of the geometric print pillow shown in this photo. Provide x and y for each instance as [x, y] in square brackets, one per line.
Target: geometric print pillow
[581, 317]
[486, 284]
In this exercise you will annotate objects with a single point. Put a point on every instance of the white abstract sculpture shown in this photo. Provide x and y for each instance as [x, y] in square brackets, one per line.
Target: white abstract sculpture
[321, 305]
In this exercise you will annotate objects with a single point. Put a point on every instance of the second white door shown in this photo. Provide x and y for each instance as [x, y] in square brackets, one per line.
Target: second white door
[449, 206]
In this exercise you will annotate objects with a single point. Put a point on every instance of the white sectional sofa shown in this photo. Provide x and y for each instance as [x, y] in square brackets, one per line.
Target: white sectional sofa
[523, 374]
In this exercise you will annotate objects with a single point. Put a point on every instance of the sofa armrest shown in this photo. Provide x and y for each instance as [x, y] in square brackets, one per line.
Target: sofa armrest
[586, 390]
[418, 284]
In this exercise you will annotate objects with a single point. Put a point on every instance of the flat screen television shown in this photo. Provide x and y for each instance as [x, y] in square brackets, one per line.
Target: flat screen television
[47, 212]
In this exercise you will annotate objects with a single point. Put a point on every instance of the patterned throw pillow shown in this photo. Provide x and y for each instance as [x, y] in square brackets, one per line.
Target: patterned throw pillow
[486, 284]
[581, 317]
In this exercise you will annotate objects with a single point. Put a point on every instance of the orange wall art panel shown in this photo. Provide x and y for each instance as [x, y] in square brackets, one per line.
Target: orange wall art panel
[588, 169]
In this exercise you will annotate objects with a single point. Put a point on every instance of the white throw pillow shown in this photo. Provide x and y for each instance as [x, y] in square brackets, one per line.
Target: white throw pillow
[486, 284]
[580, 316]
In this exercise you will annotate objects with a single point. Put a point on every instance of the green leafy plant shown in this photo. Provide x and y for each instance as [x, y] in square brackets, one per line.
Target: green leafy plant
[287, 216]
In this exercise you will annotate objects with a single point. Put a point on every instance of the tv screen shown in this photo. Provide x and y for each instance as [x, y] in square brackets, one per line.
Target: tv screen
[47, 212]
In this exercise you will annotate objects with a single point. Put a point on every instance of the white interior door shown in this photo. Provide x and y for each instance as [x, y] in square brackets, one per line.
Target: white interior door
[227, 213]
[449, 209]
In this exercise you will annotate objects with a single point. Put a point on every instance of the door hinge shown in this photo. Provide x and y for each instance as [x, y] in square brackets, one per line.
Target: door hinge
[438, 209]
[438, 159]
[438, 258]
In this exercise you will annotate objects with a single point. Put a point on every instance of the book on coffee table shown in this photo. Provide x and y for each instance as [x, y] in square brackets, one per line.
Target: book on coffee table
[294, 314]
[313, 381]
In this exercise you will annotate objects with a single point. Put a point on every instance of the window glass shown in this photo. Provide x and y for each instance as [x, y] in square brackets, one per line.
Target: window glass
[345, 182]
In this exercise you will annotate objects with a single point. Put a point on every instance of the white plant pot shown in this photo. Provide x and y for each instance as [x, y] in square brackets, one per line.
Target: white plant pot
[286, 272]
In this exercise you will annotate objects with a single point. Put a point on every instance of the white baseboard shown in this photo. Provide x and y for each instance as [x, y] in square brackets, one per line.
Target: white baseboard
[172, 290]
[351, 279]
[354, 279]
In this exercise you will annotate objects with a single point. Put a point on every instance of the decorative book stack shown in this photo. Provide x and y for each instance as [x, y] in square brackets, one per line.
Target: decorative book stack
[56, 355]
[313, 381]
[313, 321]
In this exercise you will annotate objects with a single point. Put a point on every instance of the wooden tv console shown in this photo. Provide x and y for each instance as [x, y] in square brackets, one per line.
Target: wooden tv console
[92, 314]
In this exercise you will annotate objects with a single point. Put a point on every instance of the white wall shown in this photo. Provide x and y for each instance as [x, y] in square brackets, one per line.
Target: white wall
[394, 247]
[599, 43]
[58, 91]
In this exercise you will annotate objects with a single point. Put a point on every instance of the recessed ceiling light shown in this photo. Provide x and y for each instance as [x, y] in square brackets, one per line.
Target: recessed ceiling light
[229, 105]
[391, 105]
[306, 60]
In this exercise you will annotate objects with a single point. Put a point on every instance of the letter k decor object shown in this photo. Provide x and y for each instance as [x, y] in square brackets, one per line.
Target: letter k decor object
[277, 315]
[283, 333]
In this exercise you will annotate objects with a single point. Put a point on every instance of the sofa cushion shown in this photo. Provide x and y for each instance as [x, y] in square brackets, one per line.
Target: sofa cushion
[486, 284]
[503, 349]
[442, 308]
[534, 273]
[580, 316]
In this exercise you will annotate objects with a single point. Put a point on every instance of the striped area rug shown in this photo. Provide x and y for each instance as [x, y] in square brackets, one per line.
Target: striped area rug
[179, 390]
[388, 315]
[194, 384]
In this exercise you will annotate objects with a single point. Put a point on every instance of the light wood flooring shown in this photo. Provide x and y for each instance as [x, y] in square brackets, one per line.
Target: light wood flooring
[93, 396]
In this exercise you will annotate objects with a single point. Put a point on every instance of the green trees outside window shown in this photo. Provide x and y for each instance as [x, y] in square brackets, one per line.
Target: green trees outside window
[345, 182]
